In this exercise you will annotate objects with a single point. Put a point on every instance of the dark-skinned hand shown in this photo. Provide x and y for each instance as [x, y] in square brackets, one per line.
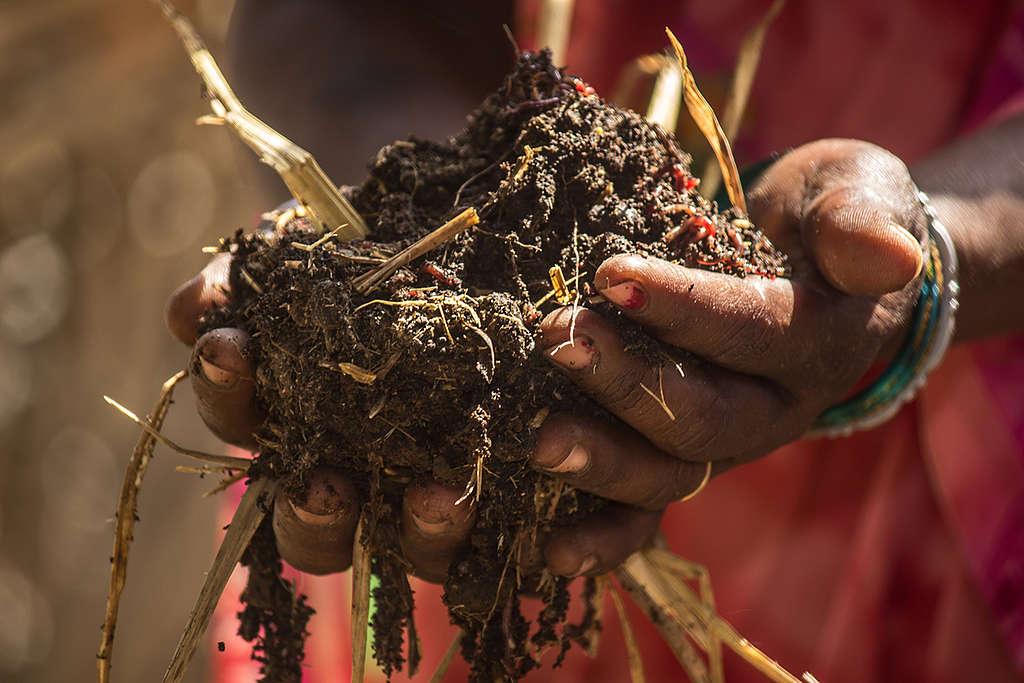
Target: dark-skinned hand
[759, 360]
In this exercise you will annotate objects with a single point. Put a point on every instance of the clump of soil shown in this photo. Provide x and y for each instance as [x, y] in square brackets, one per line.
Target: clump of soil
[437, 373]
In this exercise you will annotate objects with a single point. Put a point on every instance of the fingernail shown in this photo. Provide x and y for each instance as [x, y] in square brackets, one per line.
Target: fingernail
[911, 243]
[575, 354]
[629, 295]
[312, 517]
[588, 563]
[217, 375]
[430, 528]
[574, 463]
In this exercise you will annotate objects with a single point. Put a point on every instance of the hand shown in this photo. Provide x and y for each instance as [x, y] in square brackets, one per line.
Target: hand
[757, 359]
[314, 532]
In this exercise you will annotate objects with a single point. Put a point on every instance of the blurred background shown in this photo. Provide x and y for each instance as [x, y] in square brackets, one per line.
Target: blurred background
[108, 191]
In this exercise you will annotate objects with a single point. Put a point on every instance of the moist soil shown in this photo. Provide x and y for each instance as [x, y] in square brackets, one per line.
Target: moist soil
[437, 373]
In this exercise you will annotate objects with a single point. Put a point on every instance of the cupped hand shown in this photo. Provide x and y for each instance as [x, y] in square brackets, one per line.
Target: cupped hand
[315, 531]
[753, 361]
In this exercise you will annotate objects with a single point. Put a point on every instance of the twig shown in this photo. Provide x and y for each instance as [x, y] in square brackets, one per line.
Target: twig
[704, 116]
[446, 661]
[297, 167]
[739, 90]
[360, 601]
[464, 221]
[204, 469]
[247, 518]
[125, 525]
[223, 460]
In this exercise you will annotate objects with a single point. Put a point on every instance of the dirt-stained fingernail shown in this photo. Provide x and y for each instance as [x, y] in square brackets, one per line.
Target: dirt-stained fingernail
[312, 517]
[575, 462]
[629, 295]
[575, 354]
[588, 563]
[430, 528]
[218, 375]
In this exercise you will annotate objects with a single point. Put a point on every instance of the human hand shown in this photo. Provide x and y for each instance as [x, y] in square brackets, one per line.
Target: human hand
[314, 531]
[758, 360]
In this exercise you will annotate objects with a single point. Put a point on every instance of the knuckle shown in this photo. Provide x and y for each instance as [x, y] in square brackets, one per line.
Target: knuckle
[671, 488]
[700, 432]
[621, 392]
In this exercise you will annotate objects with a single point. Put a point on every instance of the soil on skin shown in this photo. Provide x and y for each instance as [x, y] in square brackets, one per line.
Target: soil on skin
[437, 373]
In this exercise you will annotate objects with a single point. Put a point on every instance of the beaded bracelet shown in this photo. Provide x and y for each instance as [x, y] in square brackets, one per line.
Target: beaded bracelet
[931, 330]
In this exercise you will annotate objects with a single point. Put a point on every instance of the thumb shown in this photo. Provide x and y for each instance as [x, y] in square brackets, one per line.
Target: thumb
[856, 244]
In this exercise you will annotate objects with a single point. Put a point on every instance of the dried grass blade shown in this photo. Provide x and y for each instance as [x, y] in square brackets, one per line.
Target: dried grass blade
[718, 629]
[446, 661]
[464, 221]
[642, 581]
[706, 120]
[667, 95]
[636, 664]
[222, 460]
[739, 90]
[597, 605]
[554, 26]
[247, 518]
[642, 67]
[693, 572]
[297, 167]
[360, 601]
[125, 525]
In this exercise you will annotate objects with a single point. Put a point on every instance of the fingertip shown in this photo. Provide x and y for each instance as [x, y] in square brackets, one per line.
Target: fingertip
[183, 311]
[435, 511]
[559, 446]
[193, 299]
[314, 531]
[601, 542]
[223, 382]
[435, 526]
[620, 267]
[858, 248]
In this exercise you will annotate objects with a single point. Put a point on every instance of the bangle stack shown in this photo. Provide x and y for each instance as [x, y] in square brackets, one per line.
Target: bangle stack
[931, 330]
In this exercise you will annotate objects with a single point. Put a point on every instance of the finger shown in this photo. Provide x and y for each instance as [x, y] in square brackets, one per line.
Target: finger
[190, 301]
[612, 461]
[730, 321]
[775, 329]
[855, 209]
[222, 379]
[315, 532]
[600, 542]
[857, 245]
[686, 408]
[434, 528]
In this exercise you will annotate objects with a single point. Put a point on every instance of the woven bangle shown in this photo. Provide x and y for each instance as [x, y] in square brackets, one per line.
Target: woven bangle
[931, 330]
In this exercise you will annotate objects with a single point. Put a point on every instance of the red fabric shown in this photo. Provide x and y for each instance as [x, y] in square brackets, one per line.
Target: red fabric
[897, 554]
